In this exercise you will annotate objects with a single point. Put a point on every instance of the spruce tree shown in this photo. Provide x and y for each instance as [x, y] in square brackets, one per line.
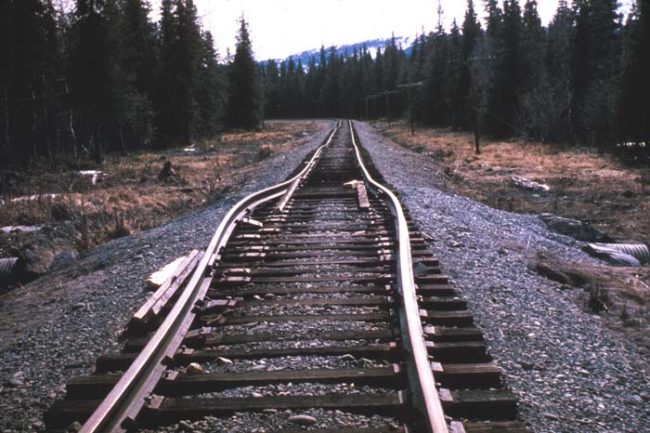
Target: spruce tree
[245, 100]
[208, 91]
[535, 106]
[466, 93]
[90, 76]
[139, 61]
[453, 101]
[6, 72]
[558, 61]
[596, 49]
[503, 103]
[331, 90]
[437, 102]
[633, 114]
[272, 91]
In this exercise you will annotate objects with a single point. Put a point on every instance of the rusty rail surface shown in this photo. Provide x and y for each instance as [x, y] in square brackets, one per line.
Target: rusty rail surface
[332, 245]
[420, 373]
[118, 411]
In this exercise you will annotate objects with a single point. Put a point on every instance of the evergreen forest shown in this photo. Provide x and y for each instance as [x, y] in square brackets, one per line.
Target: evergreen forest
[103, 77]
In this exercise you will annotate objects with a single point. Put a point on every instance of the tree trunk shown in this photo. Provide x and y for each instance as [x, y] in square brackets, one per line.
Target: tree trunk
[5, 103]
[477, 138]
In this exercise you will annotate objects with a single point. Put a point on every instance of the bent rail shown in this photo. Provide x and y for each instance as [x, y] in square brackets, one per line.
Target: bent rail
[118, 411]
[420, 374]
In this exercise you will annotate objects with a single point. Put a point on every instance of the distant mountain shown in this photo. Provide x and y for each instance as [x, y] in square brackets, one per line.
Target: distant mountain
[371, 45]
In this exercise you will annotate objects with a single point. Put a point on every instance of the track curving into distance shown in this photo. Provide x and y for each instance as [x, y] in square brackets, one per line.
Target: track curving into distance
[317, 306]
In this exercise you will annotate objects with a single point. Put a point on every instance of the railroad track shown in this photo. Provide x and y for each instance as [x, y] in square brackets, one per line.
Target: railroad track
[318, 306]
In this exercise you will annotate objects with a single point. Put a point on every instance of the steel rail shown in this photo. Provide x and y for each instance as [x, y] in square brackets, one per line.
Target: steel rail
[118, 411]
[294, 185]
[426, 396]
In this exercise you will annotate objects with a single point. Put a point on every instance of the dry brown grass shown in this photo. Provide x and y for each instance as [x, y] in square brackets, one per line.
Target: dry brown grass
[131, 197]
[584, 185]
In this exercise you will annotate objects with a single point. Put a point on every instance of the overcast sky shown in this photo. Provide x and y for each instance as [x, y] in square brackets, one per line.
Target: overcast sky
[280, 28]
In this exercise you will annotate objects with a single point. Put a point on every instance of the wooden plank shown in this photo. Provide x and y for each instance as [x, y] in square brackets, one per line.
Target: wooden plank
[389, 429]
[266, 263]
[166, 291]
[495, 427]
[473, 404]
[478, 375]
[197, 384]
[431, 279]
[271, 272]
[380, 350]
[225, 321]
[114, 362]
[461, 318]
[443, 303]
[377, 277]
[300, 253]
[443, 334]
[98, 385]
[471, 351]
[362, 196]
[136, 344]
[195, 408]
[370, 301]
[292, 336]
[443, 289]
[261, 291]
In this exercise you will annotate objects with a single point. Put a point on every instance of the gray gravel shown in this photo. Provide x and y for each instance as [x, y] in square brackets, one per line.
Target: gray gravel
[273, 421]
[292, 363]
[301, 327]
[67, 319]
[289, 344]
[571, 372]
[303, 389]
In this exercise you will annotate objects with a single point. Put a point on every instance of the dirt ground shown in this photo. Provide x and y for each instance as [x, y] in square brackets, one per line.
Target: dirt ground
[583, 185]
[73, 214]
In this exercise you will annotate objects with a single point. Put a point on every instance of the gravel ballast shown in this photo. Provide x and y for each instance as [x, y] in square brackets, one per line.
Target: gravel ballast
[55, 328]
[570, 372]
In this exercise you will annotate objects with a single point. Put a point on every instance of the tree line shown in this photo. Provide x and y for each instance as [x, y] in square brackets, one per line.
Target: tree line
[105, 77]
[582, 79]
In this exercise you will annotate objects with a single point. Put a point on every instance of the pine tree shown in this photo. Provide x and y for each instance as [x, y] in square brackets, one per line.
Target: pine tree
[466, 92]
[6, 72]
[208, 91]
[272, 91]
[596, 50]
[331, 91]
[139, 61]
[454, 102]
[167, 77]
[535, 108]
[503, 103]
[558, 63]
[29, 69]
[438, 103]
[186, 55]
[245, 101]
[633, 114]
[90, 76]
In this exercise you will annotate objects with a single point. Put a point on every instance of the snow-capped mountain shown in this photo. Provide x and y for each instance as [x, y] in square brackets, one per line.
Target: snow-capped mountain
[372, 45]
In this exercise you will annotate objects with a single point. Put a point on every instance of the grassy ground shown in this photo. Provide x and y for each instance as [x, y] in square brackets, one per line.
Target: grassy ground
[131, 197]
[584, 185]
[594, 188]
